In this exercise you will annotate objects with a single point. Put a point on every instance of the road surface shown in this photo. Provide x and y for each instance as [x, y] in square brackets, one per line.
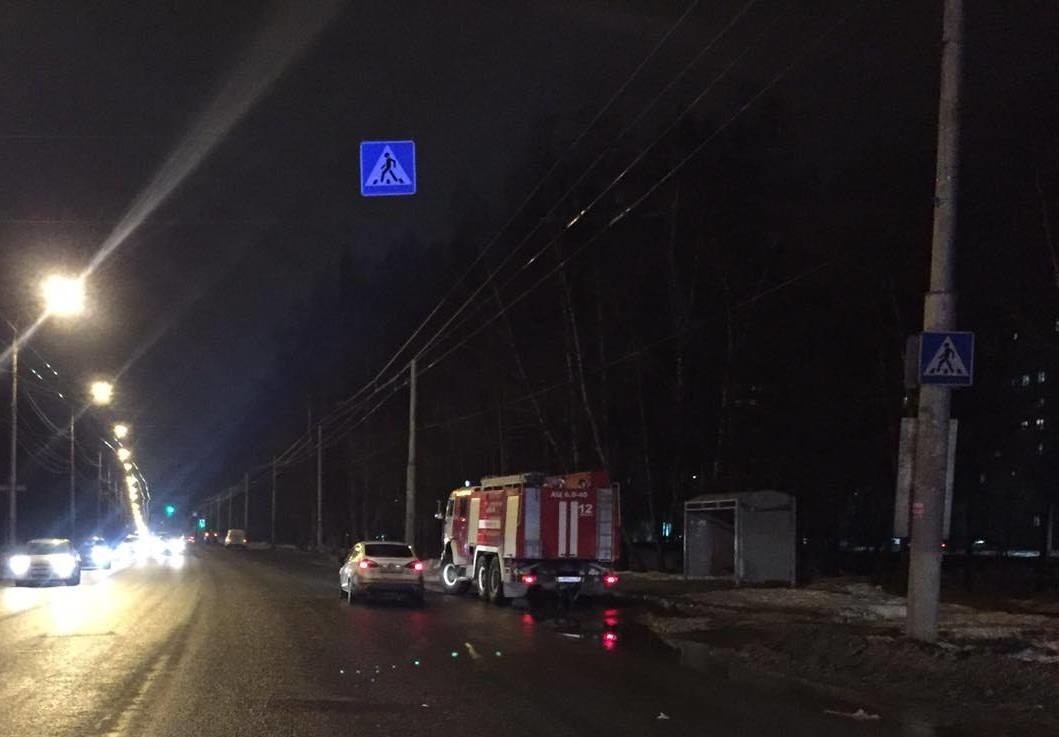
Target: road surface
[259, 643]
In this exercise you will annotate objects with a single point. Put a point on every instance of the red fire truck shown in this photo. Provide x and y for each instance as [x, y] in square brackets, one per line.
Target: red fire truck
[514, 534]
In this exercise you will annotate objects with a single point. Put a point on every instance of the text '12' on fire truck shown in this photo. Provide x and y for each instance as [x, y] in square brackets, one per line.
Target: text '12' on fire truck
[515, 534]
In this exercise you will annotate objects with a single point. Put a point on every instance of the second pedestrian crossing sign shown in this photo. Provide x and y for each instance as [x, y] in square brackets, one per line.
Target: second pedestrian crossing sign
[946, 358]
[387, 168]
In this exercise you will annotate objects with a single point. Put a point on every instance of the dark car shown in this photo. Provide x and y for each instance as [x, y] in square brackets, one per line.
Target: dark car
[95, 552]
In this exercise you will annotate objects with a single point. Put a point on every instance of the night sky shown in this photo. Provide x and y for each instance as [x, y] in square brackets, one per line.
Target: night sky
[95, 96]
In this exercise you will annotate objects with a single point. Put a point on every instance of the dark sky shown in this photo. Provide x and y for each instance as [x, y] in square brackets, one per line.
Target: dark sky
[95, 96]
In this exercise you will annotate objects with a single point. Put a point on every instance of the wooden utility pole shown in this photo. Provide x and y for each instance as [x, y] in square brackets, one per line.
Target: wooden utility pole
[939, 315]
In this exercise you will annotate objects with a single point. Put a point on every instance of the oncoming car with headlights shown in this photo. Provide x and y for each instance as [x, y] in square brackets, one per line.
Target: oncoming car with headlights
[47, 560]
[95, 553]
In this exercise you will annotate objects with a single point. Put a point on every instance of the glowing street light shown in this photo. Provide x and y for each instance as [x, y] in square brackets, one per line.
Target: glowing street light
[64, 296]
[121, 431]
[131, 481]
[124, 454]
[127, 466]
[102, 392]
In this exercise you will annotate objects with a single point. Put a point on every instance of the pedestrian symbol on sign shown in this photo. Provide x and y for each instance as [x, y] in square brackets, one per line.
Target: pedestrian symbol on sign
[946, 362]
[387, 170]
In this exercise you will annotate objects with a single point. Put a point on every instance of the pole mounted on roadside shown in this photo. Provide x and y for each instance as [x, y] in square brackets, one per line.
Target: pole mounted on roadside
[246, 503]
[410, 477]
[12, 490]
[99, 490]
[73, 479]
[272, 524]
[939, 314]
[320, 487]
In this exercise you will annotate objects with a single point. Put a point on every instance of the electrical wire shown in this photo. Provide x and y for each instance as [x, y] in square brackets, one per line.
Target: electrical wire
[695, 151]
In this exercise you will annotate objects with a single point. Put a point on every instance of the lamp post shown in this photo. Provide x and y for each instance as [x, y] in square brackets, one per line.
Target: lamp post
[101, 392]
[63, 296]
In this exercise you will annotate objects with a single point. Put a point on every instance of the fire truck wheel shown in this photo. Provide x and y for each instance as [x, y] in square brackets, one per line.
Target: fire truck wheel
[494, 584]
[450, 579]
[481, 577]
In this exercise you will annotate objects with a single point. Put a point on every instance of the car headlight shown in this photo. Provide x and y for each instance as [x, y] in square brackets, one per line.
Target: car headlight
[63, 564]
[101, 554]
[178, 545]
[19, 564]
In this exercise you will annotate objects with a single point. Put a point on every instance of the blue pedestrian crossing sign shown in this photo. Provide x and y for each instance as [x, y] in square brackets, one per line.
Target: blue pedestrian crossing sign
[387, 168]
[946, 358]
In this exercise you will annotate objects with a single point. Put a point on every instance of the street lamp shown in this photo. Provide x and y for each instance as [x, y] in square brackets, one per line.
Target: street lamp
[64, 296]
[102, 392]
[121, 431]
[127, 466]
[124, 454]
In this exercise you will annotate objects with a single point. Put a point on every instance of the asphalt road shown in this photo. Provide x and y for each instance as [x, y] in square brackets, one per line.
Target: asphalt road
[259, 643]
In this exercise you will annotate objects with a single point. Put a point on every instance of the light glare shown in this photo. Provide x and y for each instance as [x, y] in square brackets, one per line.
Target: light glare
[64, 296]
[102, 392]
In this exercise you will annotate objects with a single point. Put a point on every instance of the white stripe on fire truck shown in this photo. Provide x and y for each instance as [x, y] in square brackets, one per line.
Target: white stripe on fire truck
[562, 527]
[573, 529]
[488, 524]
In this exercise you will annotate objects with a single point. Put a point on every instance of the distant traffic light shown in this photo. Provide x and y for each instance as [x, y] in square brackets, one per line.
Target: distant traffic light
[202, 523]
[170, 510]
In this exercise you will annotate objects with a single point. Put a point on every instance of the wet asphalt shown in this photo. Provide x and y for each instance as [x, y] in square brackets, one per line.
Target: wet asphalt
[259, 643]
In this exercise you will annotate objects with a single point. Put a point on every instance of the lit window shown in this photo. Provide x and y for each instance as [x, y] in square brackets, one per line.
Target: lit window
[1025, 423]
[1040, 402]
[1041, 376]
[1040, 423]
[1057, 324]
[1040, 449]
[1015, 335]
[1025, 380]
[981, 478]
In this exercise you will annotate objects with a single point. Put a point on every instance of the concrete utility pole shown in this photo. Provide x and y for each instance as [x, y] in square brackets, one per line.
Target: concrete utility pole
[99, 490]
[939, 314]
[410, 477]
[272, 526]
[12, 489]
[73, 480]
[229, 517]
[246, 502]
[319, 487]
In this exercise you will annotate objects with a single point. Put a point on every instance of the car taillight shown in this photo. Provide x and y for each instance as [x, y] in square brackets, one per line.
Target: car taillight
[529, 579]
[416, 565]
[367, 564]
[610, 579]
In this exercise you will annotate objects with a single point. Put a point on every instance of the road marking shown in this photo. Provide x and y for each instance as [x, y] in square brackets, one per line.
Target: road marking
[134, 708]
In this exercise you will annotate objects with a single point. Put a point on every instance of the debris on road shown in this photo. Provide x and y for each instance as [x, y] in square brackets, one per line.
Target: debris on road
[859, 714]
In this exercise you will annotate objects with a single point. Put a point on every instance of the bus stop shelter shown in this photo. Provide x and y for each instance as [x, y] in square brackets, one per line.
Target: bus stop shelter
[748, 537]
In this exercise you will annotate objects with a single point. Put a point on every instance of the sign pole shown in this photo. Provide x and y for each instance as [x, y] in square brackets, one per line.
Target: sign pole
[939, 314]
